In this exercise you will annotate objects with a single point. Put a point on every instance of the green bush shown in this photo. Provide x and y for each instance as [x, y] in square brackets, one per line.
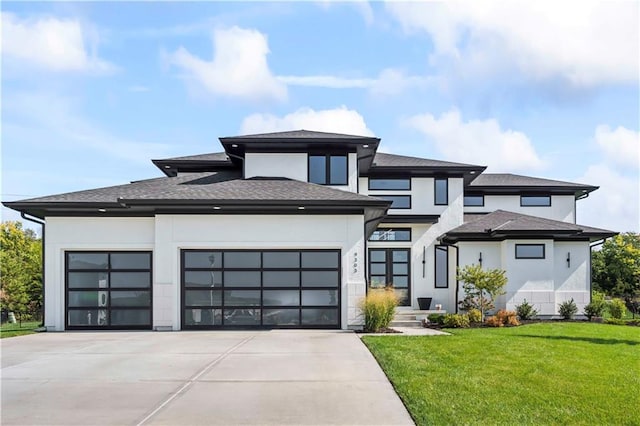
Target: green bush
[456, 321]
[617, 308]
[615, 321]
[595, 309]
[378, 308]
[436, 318]
[525, 311]
[475, 316]
[568, 309]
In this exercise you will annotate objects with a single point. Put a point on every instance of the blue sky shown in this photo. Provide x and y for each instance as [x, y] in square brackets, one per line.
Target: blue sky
[92, 91]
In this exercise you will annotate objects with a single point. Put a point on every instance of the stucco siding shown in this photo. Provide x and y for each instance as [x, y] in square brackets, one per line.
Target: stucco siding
[562, 207]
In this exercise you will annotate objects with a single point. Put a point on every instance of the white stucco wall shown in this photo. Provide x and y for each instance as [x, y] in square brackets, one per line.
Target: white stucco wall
[289, 165]
[562, 207]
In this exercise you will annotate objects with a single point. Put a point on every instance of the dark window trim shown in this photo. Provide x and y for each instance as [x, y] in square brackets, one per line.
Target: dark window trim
[435, 189]
[261, 289]
[369, 179]
[544, 254]
[383, 229]
[473, 205]
[444, 249]
[389, 268]
[395, 195]
[535, 195]
[327, 166]
[108, 289]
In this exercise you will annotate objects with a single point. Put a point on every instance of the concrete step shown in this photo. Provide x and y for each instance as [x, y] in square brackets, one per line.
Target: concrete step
[411, 324]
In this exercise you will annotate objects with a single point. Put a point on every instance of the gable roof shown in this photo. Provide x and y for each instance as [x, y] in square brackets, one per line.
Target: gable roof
[501, 224]
[497, 183]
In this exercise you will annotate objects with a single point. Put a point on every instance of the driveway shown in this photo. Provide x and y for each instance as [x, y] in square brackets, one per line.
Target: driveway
[189, 378]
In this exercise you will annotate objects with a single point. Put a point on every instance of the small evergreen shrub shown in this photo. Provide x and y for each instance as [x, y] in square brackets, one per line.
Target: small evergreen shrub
[615, 321]
[494, 321]
[456, 321]
[525, 311]
[595, 309]
[436, 318]
[378, 308]
[567, 309]
[617, 308]
[507, 317]
[475, 316]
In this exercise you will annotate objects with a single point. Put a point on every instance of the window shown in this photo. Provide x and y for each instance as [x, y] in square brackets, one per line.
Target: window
[108, 290]
[391, 234]
[535, 200]
[390, 267]
[328, 169]
[398, 201]
[441, 191]
[395, 184]
[442, 267]
[529, 251]
[474, 200]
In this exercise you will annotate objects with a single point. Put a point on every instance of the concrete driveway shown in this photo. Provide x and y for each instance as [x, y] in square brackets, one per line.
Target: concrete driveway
[189, 378]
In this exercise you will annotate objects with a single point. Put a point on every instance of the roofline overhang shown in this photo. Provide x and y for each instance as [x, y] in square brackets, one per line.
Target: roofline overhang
[468, 173]
[411, 218]
[172, 167]
[578, 192]
[453, 238]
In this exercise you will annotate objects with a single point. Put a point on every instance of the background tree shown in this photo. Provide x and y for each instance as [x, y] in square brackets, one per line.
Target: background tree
[20, 270]
[481, 287]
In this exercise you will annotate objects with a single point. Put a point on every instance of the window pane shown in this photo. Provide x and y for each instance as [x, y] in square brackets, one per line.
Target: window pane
[204, 259]
[203, 316]
[396, 184]
[379, 281]
[281, 298]
[388, 234]
[320, 278]
[397, 201]
[441, 192]
[318, 169]
[441, 273]
[338, 170]
[203, 278]
[400, 281]
[378, 268]
[87, 298]
[319, 316]
[280, 316]
[327, 259]
[242, 297]
[403, 296]
[202, 298]
[130, 317]
[241, 259]
[532, 201]
[88, 279]
[281, 259]
[88, 260]
[131, 279]
[131, 260]
[242, 317]
[377, 256]
[242, 278]
[319, 297]
[130, 298]
[400, 256]
[474, 200]
[89, 317]
[401, 268]
[530, 251]
[281, 278]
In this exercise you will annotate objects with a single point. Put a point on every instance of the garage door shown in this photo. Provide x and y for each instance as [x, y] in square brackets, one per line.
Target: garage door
[260, 289]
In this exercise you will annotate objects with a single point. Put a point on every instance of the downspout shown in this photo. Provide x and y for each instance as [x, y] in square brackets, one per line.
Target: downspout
[41, 223]
[239, 158]
[591, 246]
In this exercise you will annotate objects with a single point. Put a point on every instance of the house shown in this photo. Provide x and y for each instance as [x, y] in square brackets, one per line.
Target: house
[290, 229]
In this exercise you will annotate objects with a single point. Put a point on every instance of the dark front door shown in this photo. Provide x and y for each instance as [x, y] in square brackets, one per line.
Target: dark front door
[389, 267]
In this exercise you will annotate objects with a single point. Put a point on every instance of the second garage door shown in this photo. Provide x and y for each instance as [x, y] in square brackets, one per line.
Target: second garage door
[260, 289]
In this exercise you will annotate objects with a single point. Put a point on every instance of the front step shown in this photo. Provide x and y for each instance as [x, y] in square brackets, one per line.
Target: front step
[405, 323]
[412, 318]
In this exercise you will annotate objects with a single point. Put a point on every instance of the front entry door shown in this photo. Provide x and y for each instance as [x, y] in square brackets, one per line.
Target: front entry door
[389, 267]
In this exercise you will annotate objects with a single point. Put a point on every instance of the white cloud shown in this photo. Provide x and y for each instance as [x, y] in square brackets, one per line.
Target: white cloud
[620, 146]
[239, 67]
[615, 205]
[51, 43]
[481, 142]
[338, 120]
[586, 43]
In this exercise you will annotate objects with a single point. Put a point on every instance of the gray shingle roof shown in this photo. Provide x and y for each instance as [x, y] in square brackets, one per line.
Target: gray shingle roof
[213, 156]
[508, 179]
[299, 134]
[392, 160]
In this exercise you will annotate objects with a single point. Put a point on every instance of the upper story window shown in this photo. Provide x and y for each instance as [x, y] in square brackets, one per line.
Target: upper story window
[389, 184]
[328, 169]
[535, 200]
[441, 191]
[474, 200]
[391, 234]
[529, 251]
[398, 201]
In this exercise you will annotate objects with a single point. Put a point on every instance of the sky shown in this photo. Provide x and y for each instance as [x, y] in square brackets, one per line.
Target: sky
[91, 92]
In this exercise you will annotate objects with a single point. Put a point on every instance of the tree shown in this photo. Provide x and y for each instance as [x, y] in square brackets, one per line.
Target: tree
[20, 270]
[481, 287]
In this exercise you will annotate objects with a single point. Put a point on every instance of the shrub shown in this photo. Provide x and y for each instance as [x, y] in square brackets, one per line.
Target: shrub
[525, 311]
[615, 321]
[617, 308]
[481, 287]
[436, 318]
[494, 321]
[475, 316]
[595, 309]
[507, 317]
[567, 309]
[456, 321]
[378, 308]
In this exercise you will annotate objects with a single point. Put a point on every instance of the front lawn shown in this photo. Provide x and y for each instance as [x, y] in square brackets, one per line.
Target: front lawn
[545, 373]
[11, 330]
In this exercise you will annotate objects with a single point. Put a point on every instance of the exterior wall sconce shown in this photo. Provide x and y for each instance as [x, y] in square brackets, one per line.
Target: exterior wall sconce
[480, 259]
[568, 259]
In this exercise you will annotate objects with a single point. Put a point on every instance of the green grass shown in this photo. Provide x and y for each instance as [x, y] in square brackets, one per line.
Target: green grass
[12, 330]
[542, 374]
